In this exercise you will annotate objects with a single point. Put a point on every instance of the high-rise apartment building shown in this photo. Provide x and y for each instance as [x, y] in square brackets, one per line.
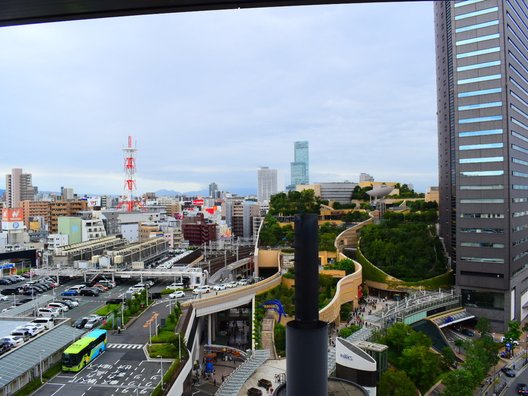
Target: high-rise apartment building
[18, 188]
[300, 166]
[267, 183]
[482, 87]
[365, 177]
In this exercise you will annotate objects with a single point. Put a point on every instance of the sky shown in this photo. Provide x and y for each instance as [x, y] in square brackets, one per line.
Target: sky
[212, 96]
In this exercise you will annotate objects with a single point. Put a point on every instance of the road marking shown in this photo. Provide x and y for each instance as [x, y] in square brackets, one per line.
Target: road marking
[58, 389]
[125, 346]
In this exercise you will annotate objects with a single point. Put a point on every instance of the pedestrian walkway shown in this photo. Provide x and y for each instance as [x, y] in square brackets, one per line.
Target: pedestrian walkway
[124, 346]
[268, 324]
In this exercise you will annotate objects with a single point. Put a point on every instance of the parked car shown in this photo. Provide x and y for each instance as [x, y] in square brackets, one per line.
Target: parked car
[107, 283]
[264, 383]
[5, 281]
[468, 332]
[79, 323]
[176, 286]
[177, 294]
[508, 372]
[59, 306]
[70, 292]
[72, 301]
[89, 292]
[69, 304]
[48, 312]
[201, 290]
[47, 323]
[514, 342]
[101, 287]
[4, 347]
[3, 298]
[522, 389]
[12, 340]
[243, 282]
[254, 392]
[219, 287]
[231, 284]
[93, 322]
[8, 292]
[22, 332]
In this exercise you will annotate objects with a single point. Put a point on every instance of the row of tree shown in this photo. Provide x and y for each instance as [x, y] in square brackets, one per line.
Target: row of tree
[404, 246]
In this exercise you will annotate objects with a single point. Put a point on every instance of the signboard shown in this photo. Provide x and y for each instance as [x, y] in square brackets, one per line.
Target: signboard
[94, 201]
[198, 202]
[7, 266]
[12, 215]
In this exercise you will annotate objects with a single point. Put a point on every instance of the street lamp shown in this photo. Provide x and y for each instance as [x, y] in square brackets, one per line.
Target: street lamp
[161, 363]
[179, 346]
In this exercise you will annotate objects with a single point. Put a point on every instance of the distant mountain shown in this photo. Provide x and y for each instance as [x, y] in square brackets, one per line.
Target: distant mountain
[167, 193]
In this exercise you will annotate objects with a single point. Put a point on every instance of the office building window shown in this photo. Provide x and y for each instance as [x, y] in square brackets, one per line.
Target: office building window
[520, 174]
[478, 39]
[467, 2]
[482, 215]
[520, 255]
[478, 66]
[483, 260]
[479, 92]
[518, 148]
[484, 299]
[478, 52]
[482, 230]
[519, 187]
[482, 245]
[480, 106]
[479, 79]
[519, 200]
[483, 173]
[520, 214]
[519, 161]
[483, 187]
[480, 119]
[481, 133]
[482, 201]
[519, 136]
[476, 13]
[521, 227]
[483, 146]
[480, 160]
[477, 26]
[520, 241]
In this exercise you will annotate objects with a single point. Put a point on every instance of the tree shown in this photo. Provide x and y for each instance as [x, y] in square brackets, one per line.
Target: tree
[459, 382]
[395, 383]
[483, 326]
[449, 357]
[514, 331]
[459, 344]
[421, 365]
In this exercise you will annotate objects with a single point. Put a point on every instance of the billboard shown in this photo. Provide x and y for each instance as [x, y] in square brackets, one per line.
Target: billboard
[12, 215]
[94, 201]
[198, 202]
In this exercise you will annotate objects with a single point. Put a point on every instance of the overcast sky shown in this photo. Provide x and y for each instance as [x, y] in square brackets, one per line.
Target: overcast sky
[212, 96]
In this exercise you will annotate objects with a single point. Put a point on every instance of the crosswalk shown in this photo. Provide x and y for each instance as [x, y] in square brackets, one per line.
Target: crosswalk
[124, 346]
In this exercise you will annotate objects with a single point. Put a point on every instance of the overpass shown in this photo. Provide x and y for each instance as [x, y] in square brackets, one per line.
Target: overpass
[22, 12]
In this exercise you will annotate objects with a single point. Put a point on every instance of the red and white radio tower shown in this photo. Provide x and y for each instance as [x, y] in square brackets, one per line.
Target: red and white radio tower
[130, 183]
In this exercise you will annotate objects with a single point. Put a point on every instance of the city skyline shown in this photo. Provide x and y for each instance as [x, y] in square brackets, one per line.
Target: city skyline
[228, 96]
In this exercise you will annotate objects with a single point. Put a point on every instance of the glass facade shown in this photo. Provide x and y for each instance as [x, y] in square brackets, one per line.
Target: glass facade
[300, 167]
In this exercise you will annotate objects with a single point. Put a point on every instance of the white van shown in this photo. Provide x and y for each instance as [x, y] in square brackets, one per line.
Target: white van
[48, 312]
[48, 323]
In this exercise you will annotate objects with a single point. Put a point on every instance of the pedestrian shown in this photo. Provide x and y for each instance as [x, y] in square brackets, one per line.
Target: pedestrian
[214, 381]
[118, 329]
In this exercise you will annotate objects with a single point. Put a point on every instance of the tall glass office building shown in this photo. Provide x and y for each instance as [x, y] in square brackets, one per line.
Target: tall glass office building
[482, 88]
[299, 167]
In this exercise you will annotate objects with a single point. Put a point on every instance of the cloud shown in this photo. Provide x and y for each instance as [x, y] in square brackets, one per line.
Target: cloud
[211, 96]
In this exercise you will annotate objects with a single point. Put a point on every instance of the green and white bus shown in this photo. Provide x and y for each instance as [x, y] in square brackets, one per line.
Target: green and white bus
[83, 351]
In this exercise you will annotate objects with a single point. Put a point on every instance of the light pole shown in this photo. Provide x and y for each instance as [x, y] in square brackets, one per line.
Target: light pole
[150, 332]
[161, 363]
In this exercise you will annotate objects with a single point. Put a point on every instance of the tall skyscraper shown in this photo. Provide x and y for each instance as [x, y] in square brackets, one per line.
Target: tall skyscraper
[267, 183]
[482, 87]
[18, 188]
[300, 166]
[213, 188]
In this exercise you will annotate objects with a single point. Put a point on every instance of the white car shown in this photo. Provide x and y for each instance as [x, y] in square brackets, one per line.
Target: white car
[60, 307]
[92, 322]
[32, 329]
[177, 294]
[3, 298]
[201, 290]
[175, 286]
[219, 287]
[231, 284]
[243, 282]
[13, 340]
[72, 301]
[48, 312]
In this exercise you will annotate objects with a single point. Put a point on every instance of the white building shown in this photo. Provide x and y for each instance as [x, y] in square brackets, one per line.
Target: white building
[267, 183]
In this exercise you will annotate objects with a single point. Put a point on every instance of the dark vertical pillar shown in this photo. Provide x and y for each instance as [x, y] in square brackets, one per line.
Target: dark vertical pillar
[306, 336]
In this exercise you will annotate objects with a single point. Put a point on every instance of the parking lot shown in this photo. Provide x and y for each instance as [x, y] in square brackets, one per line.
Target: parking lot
[117, 371]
